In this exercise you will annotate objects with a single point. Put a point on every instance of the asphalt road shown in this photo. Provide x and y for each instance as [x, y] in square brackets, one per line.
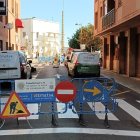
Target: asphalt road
[124, 123]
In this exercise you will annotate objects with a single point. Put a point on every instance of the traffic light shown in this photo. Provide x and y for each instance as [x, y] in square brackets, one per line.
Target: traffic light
[3, 7]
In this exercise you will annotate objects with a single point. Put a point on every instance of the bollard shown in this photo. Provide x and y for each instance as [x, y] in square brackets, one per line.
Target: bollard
[81, 117]
[54, 122]
[106, 123]
[17, 122]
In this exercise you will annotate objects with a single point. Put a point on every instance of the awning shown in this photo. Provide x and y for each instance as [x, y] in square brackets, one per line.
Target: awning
[18, 23]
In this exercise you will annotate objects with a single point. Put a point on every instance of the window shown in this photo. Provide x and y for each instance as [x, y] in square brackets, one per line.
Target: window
[119, 3]
[13, 6]
[1, 4]
[24, 34]
[6, 19]
[105, 7]
[1, 45]
[16, 10]
[37, 34]
[1, 18]
[96, 20]
[101, 10]
[6, 45]
[12, 46]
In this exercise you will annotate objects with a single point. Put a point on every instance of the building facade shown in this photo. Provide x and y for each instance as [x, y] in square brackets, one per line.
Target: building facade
[117, 22]
[40, 37]
[10, 25]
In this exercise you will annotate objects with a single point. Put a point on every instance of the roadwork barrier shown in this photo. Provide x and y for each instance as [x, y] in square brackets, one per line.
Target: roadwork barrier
[75, 95]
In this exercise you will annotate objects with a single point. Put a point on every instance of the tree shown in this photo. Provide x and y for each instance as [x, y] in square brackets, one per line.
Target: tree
[85, 35]
[74, 42]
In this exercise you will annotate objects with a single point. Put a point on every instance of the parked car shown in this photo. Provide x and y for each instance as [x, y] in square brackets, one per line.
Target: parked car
[69, 56]
[84, 63]
[14, 65]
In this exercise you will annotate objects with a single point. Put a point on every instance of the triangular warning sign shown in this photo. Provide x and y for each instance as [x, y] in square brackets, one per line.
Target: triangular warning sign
[14, 108]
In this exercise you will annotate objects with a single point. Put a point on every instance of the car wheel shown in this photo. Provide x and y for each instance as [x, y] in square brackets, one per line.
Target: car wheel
[98, 75]
[30, 76]
[23, 76]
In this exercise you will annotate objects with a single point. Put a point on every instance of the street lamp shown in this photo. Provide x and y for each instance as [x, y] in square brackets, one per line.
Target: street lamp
[80, 28]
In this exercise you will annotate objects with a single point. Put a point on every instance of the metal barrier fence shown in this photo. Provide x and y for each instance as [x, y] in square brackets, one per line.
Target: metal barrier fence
[88, 90]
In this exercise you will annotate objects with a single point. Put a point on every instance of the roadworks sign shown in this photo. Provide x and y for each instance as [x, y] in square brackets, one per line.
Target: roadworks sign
[14, 108]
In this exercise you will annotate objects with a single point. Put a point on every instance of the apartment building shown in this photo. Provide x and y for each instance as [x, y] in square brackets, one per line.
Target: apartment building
[10, 25]
[40, 37]
[117, 22]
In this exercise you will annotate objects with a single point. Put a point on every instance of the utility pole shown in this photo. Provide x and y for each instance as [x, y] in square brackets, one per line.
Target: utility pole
[62, 40]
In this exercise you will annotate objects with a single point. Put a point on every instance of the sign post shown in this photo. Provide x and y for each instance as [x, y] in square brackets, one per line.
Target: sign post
[65, 91]
[14, 108]
[36, 90]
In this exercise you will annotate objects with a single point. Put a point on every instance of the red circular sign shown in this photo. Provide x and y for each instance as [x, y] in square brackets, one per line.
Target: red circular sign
[65, 91]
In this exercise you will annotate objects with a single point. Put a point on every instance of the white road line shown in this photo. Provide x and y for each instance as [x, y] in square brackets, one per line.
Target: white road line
[138, 101]
[100, 107]
[70, 130]
[131, 110]
[34, 76]
[68, 114]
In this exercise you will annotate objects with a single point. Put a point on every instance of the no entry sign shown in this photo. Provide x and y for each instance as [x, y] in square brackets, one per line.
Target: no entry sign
[65, 91]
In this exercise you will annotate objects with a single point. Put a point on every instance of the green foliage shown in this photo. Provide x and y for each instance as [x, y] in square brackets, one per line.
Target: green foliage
[85, 35]
[74, 42]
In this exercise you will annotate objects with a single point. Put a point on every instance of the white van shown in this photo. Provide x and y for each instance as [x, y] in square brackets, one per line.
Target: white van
[13, 65]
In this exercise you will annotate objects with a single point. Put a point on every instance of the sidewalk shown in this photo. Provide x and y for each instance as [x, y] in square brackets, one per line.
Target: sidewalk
[130, 82]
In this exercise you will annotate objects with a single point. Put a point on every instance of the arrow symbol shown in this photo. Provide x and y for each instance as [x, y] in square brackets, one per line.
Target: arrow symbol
[95, 91]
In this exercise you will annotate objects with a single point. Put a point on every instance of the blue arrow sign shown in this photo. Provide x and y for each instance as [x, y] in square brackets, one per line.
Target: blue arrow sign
[93, 90]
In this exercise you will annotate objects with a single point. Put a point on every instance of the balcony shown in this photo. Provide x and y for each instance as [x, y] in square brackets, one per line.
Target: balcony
[108, 20]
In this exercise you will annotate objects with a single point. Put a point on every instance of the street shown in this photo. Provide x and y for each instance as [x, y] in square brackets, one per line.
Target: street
[124, 123]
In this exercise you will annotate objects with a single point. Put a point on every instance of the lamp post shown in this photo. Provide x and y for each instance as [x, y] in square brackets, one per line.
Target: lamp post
[80, 30]
[62, 40]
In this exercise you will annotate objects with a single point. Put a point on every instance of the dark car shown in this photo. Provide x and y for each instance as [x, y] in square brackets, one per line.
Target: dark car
[69, 56]
[84, 63]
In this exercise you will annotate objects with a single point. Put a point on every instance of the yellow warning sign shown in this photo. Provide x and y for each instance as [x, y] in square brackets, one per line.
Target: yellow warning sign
[14, 108]
[95, 91]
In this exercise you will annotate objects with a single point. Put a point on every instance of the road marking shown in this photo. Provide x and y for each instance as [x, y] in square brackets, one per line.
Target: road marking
[68, 114]
[70, 130]
[34, 76]
[121, 93]
[100, 107]
[138, 101]
[131, 110]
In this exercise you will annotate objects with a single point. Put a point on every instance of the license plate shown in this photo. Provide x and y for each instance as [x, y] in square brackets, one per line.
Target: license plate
[2, 71]
[84, 68]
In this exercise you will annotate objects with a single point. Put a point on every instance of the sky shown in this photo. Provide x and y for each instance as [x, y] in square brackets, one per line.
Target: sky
[75, 11]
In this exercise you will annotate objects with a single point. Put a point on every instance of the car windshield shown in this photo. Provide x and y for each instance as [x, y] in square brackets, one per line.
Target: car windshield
[88, 58]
